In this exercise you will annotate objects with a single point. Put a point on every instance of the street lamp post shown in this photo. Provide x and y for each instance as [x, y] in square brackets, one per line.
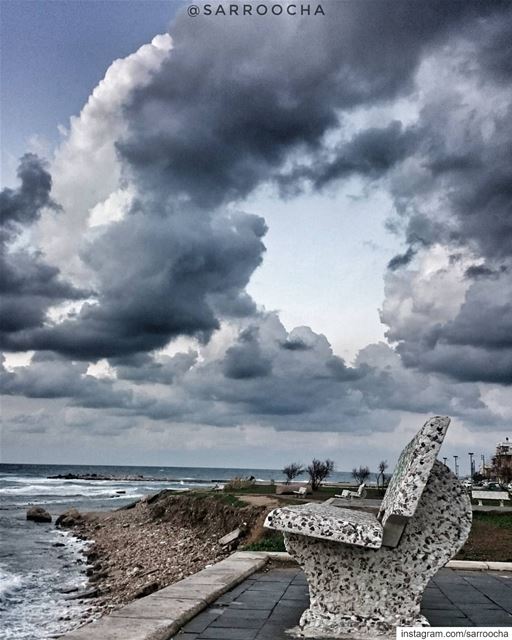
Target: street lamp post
[444, 460]
[456, 465]
[471, 465]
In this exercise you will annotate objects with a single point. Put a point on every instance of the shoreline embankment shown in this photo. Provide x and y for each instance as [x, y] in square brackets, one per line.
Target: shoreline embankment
[153, 543]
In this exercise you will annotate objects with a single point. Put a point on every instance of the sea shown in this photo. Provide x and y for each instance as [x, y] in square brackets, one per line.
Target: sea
[42, 568]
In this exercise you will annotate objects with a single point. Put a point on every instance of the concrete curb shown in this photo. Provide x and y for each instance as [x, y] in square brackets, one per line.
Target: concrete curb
[473, 565]
[160, 615]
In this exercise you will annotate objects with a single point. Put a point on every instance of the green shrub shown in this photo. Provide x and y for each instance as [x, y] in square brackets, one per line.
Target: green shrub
[269, 543]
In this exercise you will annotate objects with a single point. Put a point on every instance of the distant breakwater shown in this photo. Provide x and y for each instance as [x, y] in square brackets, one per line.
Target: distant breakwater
[131, 478]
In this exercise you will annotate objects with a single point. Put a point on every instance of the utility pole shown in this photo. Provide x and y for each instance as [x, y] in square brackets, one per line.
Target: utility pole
[483, 464]
[456, 466]
[471, 465]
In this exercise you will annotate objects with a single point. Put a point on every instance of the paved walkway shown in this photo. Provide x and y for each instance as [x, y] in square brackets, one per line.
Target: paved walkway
[272, 600]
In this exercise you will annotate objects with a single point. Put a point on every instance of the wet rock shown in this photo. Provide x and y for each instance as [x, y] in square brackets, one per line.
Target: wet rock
[91, 555]
[38, 514]
[69, 518]
[89, 593]
[68, 589]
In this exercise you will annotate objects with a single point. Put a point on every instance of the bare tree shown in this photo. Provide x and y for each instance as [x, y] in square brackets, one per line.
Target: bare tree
[293, 470]
[361, 475]
[318, 471]
[383, 465]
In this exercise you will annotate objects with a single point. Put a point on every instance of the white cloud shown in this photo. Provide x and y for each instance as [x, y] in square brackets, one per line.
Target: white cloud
[85, 169]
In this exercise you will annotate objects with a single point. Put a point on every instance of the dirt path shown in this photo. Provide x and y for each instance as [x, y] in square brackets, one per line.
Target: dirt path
[260, 501]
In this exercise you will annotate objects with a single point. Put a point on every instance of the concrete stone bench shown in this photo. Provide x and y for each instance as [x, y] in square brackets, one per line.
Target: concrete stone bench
[490, 495]
[367, 573]
[360, 493]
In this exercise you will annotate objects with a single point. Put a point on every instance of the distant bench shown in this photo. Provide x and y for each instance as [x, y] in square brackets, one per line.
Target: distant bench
[360, 493]
[367, 572]
[490, 495]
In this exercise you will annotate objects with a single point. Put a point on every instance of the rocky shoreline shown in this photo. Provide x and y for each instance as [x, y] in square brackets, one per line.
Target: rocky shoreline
[153, 543]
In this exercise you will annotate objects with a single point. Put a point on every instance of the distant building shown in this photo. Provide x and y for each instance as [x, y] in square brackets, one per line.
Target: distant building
[501, 462]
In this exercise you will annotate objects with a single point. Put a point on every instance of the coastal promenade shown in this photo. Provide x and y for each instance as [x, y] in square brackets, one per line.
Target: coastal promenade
[251, 596]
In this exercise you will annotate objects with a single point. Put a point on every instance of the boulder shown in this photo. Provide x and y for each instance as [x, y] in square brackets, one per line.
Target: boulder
[68, 519]
[38, 514]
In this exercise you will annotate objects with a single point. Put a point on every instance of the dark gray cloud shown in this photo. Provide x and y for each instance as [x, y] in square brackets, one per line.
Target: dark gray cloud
[245, 360]
[57, 378]
[142, 368]
[295, 345]
[299, 390]
[482, 271]
[477, 344]
[370, 153]
[236, 97]
[158, 278]
[23, 206]
[402, 260]
[456, 192]
[29, 286]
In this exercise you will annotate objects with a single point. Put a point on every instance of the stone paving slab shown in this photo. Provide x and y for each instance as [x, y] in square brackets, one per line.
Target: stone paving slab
[272, 600]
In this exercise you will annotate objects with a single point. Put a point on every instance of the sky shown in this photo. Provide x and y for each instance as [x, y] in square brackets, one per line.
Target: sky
[245, 240]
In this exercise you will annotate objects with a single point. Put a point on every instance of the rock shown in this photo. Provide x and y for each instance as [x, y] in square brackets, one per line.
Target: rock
[98, 577]
[91, 555]
[147, 590]
[230, 537]
[90, 593]
[68, 590]
[38, 514]
[69, 518]
[58, 544]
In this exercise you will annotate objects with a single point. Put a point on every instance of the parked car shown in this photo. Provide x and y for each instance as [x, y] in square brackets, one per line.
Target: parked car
[494, 486]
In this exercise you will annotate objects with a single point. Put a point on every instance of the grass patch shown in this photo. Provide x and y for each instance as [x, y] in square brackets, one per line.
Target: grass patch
[228, 498]
[490, 537]
[273, 542]
[224, 498]
[323, 493]
[254, 489]
[501, 520]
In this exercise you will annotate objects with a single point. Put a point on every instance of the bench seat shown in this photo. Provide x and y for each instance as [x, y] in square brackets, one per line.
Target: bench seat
[323, 521]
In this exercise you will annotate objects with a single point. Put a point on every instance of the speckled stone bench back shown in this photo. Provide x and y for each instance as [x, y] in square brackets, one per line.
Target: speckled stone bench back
[398, 506]
[412, 473]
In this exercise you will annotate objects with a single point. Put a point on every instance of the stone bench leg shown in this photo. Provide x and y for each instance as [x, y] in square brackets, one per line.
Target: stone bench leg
[366, 593]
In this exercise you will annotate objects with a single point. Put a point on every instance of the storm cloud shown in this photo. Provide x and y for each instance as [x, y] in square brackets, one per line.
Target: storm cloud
[158, 278]
[29, 286]
[236, 105]
[456, 193]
